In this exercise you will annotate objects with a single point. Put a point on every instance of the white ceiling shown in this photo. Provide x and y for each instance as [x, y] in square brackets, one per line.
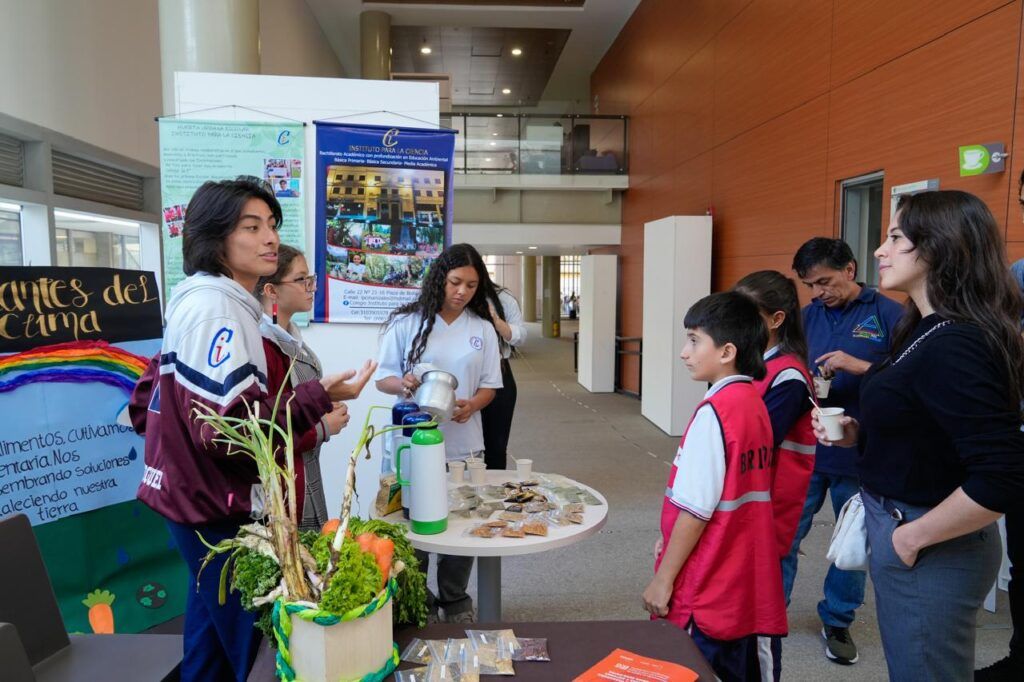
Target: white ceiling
[594, 28]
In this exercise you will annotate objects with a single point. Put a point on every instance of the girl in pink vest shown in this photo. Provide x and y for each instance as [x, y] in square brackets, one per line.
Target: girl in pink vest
[717, 570]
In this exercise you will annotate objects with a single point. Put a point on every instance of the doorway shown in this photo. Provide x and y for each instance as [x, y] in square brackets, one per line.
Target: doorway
[861, 221]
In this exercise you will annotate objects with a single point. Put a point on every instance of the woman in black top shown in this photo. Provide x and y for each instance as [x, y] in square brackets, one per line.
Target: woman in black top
[941, 447]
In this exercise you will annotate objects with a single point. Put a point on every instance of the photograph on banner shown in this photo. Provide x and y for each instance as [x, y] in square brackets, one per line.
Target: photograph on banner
[383, 214]
[73, 344]
[194, 151]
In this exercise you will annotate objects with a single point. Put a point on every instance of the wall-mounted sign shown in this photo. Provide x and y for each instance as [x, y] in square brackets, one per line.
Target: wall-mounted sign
[897, 191]
[982, 159]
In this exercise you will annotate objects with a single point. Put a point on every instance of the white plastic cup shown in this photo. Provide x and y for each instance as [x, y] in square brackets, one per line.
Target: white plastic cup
[457, 471]
[524, 467]
[477, 472]
[821, 387]
[829, 418]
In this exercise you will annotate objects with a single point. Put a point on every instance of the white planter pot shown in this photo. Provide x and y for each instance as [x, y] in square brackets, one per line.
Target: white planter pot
[344, 651]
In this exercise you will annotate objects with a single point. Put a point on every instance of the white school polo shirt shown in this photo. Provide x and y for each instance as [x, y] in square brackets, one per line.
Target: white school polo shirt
[468, 348]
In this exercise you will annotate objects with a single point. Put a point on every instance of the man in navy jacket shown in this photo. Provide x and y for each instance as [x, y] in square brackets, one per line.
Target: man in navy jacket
[849, 327]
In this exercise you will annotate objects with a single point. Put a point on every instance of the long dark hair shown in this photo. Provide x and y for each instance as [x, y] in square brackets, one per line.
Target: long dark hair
[431, 298]
[212, 215]
[772, 292]
[957, 237]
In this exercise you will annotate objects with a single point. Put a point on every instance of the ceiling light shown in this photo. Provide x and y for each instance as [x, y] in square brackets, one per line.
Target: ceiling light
[488, 159]
[494, 134]
[493, 143]
[500, 115]
[68, 215]
[425, 49]
[516, 51]
[532, 248]
[519, 253]
[4, 206]
[506, 91]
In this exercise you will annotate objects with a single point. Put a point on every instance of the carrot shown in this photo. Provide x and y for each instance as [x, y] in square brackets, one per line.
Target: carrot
[384, 550]
[331, 527]
[101, 616]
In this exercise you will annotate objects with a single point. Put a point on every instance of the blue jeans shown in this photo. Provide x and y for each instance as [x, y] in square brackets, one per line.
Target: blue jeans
[844, 590]
[927, 614]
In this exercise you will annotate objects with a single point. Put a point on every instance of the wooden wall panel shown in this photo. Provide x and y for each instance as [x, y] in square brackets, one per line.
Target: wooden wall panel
[773, 57]
[909, 116]
[760, 107]
[869, 33]
[767, 184]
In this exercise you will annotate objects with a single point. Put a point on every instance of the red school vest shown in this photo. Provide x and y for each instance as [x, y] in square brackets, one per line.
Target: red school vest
[795, 458]
[731, 584]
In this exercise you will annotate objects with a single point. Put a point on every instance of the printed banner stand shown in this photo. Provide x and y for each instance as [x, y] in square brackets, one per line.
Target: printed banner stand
[383, 213]
[73, 343]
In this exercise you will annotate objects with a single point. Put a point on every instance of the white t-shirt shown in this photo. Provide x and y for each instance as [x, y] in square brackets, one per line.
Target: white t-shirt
[514, 318]
[700, 460]
[468, 348]
[356, 270]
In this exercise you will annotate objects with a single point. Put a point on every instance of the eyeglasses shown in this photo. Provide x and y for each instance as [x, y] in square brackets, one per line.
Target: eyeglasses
[308, 282]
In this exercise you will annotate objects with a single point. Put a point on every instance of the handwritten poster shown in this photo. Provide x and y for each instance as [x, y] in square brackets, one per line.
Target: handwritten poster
[73, 343]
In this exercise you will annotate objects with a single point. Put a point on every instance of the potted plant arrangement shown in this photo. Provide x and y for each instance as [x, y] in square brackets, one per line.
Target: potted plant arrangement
[327, 600]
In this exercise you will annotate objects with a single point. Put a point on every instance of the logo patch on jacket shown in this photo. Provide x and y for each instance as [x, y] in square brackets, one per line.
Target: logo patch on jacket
[219, 353]
[870, 329]
[476, 342]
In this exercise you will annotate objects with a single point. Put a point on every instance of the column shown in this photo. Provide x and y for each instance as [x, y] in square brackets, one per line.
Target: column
[596, 353]
[529, 283]
[199, 35]
[551, 309]
[375, 45]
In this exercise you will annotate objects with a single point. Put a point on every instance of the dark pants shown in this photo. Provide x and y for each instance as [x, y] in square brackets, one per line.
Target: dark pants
[497, 420]
[1015, 552]
[734, 660]
[220, 642]
[452, 580]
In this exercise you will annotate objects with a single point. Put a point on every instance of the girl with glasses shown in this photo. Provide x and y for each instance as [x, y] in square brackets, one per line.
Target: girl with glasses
[284, 294]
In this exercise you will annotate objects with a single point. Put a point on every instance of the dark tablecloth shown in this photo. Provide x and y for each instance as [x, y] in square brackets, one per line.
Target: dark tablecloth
[574, 646]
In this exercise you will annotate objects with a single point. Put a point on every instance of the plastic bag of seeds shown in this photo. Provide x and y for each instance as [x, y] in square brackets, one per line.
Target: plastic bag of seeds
[493, 650]
[531, 649]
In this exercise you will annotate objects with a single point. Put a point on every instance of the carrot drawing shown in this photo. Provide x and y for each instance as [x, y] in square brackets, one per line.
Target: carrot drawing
[101, 616]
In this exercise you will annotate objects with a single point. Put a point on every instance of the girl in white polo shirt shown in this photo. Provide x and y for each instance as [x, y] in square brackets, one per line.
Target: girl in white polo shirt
[450, 328]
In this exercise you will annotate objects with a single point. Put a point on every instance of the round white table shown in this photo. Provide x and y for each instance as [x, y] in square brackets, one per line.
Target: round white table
[489, 551]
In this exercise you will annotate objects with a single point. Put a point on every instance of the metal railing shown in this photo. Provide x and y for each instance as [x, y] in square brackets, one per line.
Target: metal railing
[539, 144]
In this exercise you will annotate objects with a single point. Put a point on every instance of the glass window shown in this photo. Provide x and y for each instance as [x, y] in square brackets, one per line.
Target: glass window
[10, 237]
[96, 241]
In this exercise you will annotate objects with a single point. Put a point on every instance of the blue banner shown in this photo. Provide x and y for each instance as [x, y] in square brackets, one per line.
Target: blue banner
[383, 213]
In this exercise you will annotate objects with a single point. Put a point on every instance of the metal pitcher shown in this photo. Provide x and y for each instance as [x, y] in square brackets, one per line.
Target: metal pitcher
[436, 394]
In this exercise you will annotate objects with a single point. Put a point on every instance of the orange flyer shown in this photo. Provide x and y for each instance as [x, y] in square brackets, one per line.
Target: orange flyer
[625, 666]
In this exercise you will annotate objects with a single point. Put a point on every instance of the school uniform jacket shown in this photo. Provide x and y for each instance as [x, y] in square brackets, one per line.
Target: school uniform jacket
[731, 584]
[212, 354]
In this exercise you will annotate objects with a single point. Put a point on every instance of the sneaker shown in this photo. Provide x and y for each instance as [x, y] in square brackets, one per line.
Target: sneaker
[839, 646]
[433, 618]
[1009, 669]
[463, 617]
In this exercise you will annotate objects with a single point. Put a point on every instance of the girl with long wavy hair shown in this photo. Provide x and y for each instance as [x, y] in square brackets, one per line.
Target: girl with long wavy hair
[941, 447]
[449, 327]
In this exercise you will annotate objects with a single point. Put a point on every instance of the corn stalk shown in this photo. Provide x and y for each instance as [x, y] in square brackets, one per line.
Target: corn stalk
[256, 437]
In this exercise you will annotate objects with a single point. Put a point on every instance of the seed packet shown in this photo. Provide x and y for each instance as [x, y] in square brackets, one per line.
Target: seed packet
[535, 507]
[535, 527]
[513, 532]
[482, 513]
[494, 506]
[574, 508]
[511, 516]
[515, 508]
[493, 650]
[531, 649]
[417, 651]
[483, 531]
[461, 654]
[412, 675]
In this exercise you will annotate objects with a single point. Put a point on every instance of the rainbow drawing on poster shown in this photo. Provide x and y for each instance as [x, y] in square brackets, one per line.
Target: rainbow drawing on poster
[72, 362]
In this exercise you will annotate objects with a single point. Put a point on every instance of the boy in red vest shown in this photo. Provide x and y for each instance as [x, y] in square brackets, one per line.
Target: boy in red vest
[717, 569]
